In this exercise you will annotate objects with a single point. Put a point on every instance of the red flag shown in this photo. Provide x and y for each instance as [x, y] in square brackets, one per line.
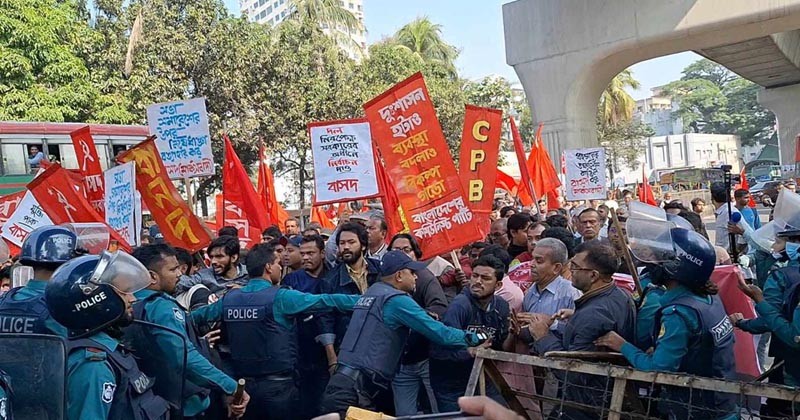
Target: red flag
[526, 188]
[646, 193]
[276, 215]
[552, 199]
[89, 167]
[389, 199]
[545, 177]
[60, 198]
[745, 185]
[9, 203]
[178, 224]
[505, 181]
[238, 190]
[318, 215]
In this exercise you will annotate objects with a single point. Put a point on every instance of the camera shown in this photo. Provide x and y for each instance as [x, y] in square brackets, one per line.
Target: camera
[726, 168]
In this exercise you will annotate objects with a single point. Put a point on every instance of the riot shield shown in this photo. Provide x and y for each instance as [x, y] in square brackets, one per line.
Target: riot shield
[651, 240]
[639, 210]
[36, 367]
[161, 353]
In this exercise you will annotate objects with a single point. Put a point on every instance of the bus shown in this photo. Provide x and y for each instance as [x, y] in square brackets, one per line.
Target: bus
[16, 139]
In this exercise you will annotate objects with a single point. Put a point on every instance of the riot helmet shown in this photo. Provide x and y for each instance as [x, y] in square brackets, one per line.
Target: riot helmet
[84, 294]
[48, 245]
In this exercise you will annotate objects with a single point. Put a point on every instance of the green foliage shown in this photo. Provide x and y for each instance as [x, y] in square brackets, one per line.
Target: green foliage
[424, 39]
[623, 142]
[713, 99]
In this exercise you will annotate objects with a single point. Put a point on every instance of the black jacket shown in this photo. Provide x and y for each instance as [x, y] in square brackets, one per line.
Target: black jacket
[338, 280]
[430, 296]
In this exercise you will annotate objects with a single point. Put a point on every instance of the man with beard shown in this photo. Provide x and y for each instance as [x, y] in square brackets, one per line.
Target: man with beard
[313, 365]
[291, 257]
[156, 305]
[225, 271]
[476, 309]
[353, 274]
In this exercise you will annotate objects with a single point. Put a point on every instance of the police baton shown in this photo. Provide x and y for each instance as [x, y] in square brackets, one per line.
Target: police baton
[238, 395]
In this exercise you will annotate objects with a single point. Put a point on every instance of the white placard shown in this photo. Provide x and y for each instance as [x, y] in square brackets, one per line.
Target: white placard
[182, 137]
[120, 200]
[27, 217]
[586, 174]
[344, 163]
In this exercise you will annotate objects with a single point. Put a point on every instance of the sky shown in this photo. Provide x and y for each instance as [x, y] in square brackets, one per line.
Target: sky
[475, 27]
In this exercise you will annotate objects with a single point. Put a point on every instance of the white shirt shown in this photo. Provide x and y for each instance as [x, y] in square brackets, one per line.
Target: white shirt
[721, 229]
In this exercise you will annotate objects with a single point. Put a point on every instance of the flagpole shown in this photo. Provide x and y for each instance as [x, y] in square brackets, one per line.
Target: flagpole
[525, 176]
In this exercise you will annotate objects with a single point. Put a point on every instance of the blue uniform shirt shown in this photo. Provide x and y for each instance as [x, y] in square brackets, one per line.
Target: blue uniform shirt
[786, 331]
[90, 377]
[166, 312]
[646, 316]
[288, 303]
[404, 311]
[673, 341]
[774, 290]
[36, 288]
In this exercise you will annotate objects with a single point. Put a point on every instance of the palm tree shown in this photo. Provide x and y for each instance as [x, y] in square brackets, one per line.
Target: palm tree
[616, 105]
[424, 38]
[327, 14]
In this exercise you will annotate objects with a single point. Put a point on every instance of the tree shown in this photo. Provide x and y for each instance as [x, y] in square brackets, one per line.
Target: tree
[424, 38]
[714, 100]
[623, 143]
[616, 104]
[328, 15]
[497, 92]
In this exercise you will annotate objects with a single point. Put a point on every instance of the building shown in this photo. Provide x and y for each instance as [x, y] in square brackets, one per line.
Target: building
[276, 11]
[657, 111]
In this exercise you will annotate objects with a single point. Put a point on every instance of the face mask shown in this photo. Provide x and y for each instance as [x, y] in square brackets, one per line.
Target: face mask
[792, 250]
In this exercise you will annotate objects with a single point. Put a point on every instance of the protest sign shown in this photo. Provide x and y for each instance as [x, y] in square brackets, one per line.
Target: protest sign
[89, 167]
[182, 137]
[405, 129]
[27, 217]
[59, 196]
[480, 149]
[120, 210]
[586, 174]
[8, 204]
[344, 163]
[180, 227]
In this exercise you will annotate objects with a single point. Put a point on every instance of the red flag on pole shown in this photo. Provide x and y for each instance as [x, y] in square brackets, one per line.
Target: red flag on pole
[389, 199]
[276, 215]
[89, 167]
[505, 181]
[526, 189]
[238, 190]
[646, 192]
[545, 177]
[746, 185]
[318, 215]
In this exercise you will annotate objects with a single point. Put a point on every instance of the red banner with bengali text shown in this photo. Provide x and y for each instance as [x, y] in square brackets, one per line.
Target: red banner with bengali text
[405, 128]
[61, 199]
[480, 149]
[180, 227]
[89, 167]
[9, 203]
[229, 214]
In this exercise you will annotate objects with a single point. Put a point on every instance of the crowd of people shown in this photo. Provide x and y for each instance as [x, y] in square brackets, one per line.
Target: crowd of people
[317, 322]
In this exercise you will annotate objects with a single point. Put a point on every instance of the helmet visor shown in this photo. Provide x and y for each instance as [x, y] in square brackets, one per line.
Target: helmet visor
[121, 271]
[639, 210]
[651, 240]
[680, 222]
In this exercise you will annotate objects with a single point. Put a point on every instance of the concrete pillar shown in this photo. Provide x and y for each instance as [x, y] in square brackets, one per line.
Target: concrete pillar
[785, 103]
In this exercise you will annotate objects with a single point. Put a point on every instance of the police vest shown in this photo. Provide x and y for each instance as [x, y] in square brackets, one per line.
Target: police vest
[133, 397]
[259, 345]
[778, 348]
[369, 345]
[139, 312]
[26, 316]
[710, 354]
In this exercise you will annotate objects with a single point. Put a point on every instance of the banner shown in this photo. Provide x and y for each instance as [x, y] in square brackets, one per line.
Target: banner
[586, 174]
[60, 197]
[344, 163]
[27, 216]
[8, 204]
[411, 142]
[229, 214]
[120, 208]
[180, 227]
[89, 167]
[249, 214]
[182, 137]
[480, 149]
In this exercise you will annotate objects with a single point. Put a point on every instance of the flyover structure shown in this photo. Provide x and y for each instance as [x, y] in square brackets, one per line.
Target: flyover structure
[565, 53]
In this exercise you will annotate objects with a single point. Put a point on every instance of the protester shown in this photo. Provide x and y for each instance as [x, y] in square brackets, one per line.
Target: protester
[475, 250]
[533, 234]
[270, 233]
[563, 235]
[589, 225]
[498, 233]
[228, 231]
[602, 213]
[377, 231]
[749, 214]
[720, 197]
[507, 211]
[226, 270]
[291, 260]
[291, 227]
[517, 234]
[558, 220]
[698, 205]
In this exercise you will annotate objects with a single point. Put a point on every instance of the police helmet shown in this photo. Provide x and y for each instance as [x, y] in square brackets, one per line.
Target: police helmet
[694, 259]
[48, 245]
[84, 293]
[679, 221]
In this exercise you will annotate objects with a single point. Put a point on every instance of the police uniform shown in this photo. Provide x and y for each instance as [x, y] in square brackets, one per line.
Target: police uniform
[6, 412]
[200, 375]
[376, 336]
[104, 382]
[23, 311]
[649, 306]
[258, 322]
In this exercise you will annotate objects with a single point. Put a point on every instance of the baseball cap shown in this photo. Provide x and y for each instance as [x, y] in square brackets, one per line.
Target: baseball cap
[293, 241]
[394, 261]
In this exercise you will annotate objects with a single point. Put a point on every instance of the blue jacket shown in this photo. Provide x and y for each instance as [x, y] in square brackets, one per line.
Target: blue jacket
[338, 281]
[215, 283]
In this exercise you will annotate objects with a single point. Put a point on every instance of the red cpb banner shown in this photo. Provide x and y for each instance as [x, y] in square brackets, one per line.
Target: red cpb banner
[179, 225]
[89, 166]
[404, 126]
[480, 145]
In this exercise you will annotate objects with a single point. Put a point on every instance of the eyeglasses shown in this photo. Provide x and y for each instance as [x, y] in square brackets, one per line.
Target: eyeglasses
[406, 249]
[497, 234]
[575, 267]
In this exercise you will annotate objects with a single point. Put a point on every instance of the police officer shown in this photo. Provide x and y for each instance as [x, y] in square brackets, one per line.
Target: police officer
[259, 323]
[6, 412]
[91, 296]
[692, 331]
[22, 309]
[156, 305]
[376, 336]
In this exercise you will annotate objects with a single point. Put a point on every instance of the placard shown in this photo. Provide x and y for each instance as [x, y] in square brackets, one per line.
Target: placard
[586, 174]
[28, 216]
[120, 207]
[344, 162]
[182, 137]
